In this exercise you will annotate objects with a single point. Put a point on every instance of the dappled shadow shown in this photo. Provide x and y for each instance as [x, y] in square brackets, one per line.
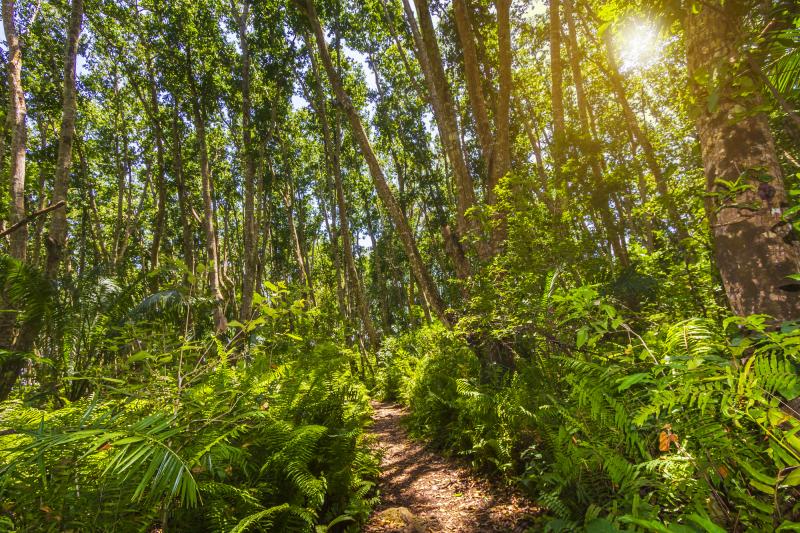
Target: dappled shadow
[443, 493]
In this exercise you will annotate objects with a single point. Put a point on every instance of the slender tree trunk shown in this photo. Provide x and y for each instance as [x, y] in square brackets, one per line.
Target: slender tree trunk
[556, 90]
[502, 147]
[184, 204]
[17, 112]
[444, 111]
[755, 248]
[330, 226]
[600, 197]
[220, 322]
[250, 243]
[379, 179]
[161, 169]
[57, 238]
[332, 140]
[347, 245]
[39, 224]
[651, 160]
[378, 265]
[302, 264]
[474, 80]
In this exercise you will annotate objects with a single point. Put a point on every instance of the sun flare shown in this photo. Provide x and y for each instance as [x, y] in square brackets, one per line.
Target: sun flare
[638, 45]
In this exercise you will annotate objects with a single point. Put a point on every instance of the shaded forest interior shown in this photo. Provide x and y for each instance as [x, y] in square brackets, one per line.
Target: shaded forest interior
[563, 234]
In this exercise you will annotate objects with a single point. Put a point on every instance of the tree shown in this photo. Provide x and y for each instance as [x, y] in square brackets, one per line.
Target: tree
[57, 238]
[421, 273]
[17, 114]
[755, 247]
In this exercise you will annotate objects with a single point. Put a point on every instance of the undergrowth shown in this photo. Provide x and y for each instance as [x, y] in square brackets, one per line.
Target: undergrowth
[688, 426]
[201, 434]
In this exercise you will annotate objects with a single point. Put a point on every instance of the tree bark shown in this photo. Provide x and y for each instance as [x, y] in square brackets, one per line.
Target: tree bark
[220, 322]
[556, 89]
[755, 248]
[57, 237]
[379, 179]
[444, 111]
[17, 112]
[250, 243]
[184, 203]
[600, 196]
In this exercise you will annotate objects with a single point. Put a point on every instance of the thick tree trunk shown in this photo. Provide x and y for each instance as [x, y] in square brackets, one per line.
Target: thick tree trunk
[17, 112]
[250, 254]
[379, 179]
[57, 238]
[756, 249]
[474, 80]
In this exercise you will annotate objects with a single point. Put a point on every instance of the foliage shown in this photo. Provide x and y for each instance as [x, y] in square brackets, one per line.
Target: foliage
[678, 428]
[276, 443]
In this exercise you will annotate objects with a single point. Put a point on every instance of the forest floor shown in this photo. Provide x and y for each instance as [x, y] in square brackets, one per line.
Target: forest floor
[423, 492]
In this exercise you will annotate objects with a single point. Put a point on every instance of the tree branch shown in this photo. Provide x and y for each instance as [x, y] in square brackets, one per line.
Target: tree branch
[32, 216]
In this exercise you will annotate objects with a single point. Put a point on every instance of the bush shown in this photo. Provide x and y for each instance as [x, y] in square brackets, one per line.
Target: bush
[682, 427]
[240, 448]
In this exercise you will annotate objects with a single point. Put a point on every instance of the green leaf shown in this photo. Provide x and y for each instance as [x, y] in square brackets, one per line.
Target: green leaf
[583, 336]
[601, 525]
[271, 286]
[793, 479]
[141, 355]
[631, 380]
[706, 524]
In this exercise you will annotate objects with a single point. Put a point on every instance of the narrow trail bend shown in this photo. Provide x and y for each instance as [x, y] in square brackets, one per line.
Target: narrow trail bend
[423, 492]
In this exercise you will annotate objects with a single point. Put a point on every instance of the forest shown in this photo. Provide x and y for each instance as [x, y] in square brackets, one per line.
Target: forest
[400, 266]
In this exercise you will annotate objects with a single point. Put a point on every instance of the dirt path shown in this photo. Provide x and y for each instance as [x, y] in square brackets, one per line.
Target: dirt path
[424, 492]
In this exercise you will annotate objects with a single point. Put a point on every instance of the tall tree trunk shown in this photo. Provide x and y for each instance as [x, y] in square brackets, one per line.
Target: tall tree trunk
[556, 90]
[17, 112]
[57, 237]
[220, 322]
[184, 203]
[332, 141]
[755, 248]
[347, 245]
[379, 179]
[250, 243]
[600, 197]
[640, 137]
[502, 147]
[161, 169]
[474, 80]
[444, 111]
[302, 264]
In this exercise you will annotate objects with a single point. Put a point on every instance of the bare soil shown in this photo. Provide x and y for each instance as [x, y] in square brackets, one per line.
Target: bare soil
[424, 492]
